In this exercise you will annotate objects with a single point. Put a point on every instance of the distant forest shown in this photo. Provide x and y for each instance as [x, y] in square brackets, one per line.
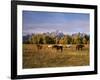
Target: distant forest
[56, 38]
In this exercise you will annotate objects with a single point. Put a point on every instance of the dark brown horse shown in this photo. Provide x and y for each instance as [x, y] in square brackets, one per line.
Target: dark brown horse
[39, 46]
[58, 47]
[79, 46]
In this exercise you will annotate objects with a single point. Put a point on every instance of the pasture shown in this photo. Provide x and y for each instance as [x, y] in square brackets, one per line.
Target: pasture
[48, 57]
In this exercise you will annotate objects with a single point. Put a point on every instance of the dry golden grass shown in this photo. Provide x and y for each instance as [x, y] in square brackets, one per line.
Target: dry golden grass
[47, 57]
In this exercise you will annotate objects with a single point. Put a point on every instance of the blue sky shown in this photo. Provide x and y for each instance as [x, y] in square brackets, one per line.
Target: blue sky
[68, 23]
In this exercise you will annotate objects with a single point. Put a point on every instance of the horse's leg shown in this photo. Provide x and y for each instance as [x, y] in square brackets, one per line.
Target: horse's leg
[81, 48]
[57, 49]
[61, 49]
[76, 48]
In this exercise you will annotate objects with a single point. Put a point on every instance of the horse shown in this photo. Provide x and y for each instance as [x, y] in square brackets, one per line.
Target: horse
[58, 47]
[39, 46]
[79, 46]
[68, 46]
[49, 46]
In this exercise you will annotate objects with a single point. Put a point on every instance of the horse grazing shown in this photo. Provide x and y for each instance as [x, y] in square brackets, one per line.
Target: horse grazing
[79, 47]
[58, 47]
[39, 46]
[49, 46]
[68, 46]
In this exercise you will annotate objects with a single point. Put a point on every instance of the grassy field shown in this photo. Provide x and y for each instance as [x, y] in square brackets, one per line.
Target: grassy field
[47, 57]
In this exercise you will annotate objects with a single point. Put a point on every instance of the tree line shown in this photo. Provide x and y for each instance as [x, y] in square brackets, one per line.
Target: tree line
[78, 38]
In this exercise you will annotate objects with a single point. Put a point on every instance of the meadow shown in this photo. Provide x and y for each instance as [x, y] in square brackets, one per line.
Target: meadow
[48, 57]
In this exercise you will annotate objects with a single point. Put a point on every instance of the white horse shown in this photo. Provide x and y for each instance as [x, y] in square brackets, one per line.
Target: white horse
[69, 46]
[49, 46]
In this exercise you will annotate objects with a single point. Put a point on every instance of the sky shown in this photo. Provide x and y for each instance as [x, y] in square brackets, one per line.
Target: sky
[42, 22]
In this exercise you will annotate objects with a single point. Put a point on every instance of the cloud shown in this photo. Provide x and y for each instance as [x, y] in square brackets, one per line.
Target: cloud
[66, 27]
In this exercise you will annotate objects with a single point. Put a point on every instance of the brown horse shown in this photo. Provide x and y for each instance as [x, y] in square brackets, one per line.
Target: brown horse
[39, 46]
[79, 46]
[58, 47]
